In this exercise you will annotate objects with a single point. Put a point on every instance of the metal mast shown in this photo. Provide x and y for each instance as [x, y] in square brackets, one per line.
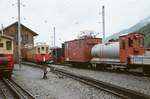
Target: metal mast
[19, 36]
[2, 32]
[54, 36]
[103, 22]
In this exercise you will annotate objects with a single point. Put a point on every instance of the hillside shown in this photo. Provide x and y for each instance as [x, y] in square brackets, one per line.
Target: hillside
[139, 26]
[146, 30]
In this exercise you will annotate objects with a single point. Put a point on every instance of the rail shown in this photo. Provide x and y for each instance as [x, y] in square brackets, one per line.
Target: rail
[18, 90]
[116, 90]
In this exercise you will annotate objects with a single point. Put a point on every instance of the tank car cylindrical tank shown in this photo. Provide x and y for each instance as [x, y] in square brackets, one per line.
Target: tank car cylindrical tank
[109, 50]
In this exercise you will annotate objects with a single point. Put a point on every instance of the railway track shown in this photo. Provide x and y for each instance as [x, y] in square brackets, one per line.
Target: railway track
[119, 71]
[5, 92]
[110, 88]
[11, 90]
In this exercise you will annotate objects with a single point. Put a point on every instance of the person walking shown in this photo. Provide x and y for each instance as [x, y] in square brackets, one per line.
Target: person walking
[45, 72]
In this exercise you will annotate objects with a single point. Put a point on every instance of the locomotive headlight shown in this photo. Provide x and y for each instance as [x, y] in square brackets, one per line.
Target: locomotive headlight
[44, 58]
[9, 58]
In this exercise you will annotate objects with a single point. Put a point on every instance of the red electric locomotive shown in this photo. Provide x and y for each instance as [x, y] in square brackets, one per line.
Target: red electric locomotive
[6, 56]
[38, 53]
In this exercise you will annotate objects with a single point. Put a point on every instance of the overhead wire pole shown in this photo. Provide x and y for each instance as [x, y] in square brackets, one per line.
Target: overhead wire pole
[55, 56]
[103, 29]
[2, 31]
[19, 36]
[54, 36]
[103, 22]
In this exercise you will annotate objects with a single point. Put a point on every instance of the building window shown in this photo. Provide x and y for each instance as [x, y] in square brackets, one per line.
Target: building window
[123, 44]
[1, 45]
[27, 38]
[8, 45]
[130, 42]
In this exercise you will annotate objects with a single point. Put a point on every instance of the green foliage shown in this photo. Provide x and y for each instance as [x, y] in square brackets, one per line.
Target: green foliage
[142, 26]
[148, 40]
[146, 31]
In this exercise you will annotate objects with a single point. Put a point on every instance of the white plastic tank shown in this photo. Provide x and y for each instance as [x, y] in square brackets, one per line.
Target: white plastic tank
[109, 50]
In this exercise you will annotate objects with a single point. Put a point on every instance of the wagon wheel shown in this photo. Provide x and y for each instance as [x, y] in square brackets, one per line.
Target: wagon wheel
[75, 65]
[7, 74]
[89, 65]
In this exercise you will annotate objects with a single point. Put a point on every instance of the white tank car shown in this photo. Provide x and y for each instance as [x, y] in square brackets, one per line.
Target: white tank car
[109, 50]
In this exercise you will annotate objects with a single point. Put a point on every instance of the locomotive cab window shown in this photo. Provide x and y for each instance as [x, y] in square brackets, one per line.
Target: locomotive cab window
[8, 45]
[141, 42]
[130, 42]
[42, 48]
[46, 49]
[38, 49]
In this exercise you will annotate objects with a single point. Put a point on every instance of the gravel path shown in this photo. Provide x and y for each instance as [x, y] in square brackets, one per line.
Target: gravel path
[56, 86]
[141, 84]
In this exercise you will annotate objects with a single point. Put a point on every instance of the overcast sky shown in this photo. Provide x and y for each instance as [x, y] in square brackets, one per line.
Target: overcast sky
[71, 16]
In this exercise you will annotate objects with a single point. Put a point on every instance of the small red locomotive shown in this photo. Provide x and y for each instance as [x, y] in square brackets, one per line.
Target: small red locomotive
[127, 53]
[119, 52]
[6, 56]
[38, 53]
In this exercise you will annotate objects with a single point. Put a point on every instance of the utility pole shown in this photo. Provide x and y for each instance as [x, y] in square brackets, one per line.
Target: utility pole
[19, 36]
[2, 31]
[55, 56]
[54, 36]
[103, 22]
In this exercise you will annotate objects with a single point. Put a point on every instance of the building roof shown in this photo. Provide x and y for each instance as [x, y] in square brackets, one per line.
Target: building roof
[6, 36]
[16, 23]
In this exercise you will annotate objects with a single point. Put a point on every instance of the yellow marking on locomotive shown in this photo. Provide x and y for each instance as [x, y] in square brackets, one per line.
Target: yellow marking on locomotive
[6, 46]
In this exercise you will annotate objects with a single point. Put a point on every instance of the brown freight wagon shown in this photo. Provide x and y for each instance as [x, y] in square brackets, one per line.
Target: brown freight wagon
[78, 51]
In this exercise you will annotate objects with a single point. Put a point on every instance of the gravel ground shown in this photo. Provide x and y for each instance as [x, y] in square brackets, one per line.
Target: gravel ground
[56, 86]
[141, 84]
[1, 96]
